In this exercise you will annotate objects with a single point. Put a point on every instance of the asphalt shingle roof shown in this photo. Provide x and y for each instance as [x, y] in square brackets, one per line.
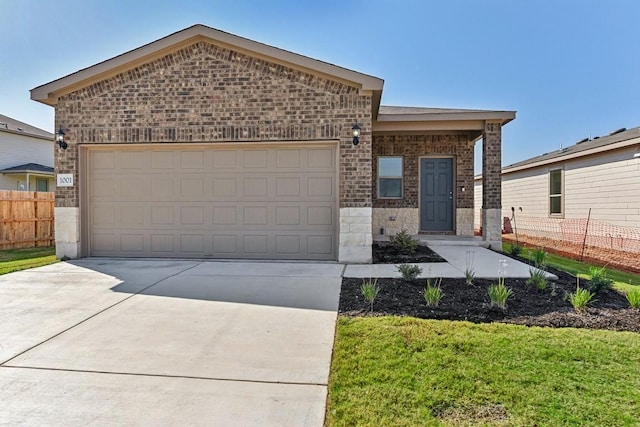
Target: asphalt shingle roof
[28, 167]
[16, 126]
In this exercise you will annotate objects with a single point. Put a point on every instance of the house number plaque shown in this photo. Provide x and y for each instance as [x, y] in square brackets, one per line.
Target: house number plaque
[65, 180]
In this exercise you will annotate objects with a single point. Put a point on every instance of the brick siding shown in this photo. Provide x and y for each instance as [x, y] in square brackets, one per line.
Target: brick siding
[412, 147]
[492, 166]
[207, 93]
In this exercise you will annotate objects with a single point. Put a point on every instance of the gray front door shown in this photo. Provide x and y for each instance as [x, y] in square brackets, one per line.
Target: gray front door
[436, 194]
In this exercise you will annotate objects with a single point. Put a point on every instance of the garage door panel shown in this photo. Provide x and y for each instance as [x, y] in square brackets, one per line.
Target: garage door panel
[254, 159]
[228, 202]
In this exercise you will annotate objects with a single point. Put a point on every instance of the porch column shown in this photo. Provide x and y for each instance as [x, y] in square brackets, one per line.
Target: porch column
[492, 184]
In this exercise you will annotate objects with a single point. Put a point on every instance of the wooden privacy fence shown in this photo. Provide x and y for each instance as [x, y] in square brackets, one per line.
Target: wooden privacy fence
[26, 219]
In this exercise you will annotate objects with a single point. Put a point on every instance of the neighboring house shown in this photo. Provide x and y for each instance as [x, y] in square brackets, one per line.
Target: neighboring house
[26, 157]
[600, 174]
[206, 144]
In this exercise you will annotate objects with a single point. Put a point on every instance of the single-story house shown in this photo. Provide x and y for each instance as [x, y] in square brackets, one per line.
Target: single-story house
[599, 175]
[209, 145]
[26, 157]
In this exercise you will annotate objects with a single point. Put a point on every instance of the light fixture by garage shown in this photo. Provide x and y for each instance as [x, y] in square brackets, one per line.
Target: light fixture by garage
[356, 134]
[60, 139]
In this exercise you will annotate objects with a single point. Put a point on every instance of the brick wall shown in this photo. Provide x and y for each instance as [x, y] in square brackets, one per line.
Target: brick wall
[412, 147]
[492, 166]
[206, 93]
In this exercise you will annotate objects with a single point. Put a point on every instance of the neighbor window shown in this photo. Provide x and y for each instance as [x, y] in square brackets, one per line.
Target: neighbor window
[42, 184]
[390, 177]
[555, 192]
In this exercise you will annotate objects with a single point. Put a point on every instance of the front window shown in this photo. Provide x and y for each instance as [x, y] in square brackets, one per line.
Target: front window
[389, 177]
[555, 192]
[42, 184]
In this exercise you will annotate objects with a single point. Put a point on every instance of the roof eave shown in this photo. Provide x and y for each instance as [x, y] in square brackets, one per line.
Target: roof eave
[49, 92]
[570, 156]
[504, 116]
[31, 135]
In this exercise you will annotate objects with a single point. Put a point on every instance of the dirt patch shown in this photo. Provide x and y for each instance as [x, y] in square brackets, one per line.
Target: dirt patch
[527, 306]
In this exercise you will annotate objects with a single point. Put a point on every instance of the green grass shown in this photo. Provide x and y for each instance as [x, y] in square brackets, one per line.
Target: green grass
[21, 259]
[623, 281]
[393, 371]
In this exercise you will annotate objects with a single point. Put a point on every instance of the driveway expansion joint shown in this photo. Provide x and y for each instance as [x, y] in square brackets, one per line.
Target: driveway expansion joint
[188, 377]
[2, 364]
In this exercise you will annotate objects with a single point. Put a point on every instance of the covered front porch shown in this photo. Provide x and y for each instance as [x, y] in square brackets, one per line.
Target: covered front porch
[28, 177]
[423, 173]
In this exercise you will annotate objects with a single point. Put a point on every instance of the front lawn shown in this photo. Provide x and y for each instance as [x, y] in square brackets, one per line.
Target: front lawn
[21, 259]
[623, 280]
[403, 371]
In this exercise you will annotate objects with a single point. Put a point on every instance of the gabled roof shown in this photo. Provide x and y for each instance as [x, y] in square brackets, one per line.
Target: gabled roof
[617, 139]
[7, 124]
[48, 93]
[29, 168]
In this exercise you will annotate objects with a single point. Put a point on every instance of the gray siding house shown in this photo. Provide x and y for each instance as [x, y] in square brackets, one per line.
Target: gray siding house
[601, 175]
[26, 157]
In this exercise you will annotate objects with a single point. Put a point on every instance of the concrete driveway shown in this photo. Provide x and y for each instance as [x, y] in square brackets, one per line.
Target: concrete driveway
[161, 342]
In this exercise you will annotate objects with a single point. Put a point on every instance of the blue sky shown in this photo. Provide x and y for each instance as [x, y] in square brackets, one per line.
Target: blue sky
[570, 68]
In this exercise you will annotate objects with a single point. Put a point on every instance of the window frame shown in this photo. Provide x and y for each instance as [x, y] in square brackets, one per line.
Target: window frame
[551, 195]
[46, 181]
[399, 177]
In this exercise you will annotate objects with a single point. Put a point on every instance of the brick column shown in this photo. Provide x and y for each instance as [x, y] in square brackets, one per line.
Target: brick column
[492, 184]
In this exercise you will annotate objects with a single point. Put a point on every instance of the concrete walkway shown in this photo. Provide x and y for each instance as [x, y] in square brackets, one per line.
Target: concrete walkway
[153, 342]
[486, 264]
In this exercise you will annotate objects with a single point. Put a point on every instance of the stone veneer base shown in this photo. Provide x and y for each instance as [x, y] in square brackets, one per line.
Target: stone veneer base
[67, 232]
[355, 235]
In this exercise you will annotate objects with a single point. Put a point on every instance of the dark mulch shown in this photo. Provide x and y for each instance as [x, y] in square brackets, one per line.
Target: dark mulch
[384, 253]
[527, 306]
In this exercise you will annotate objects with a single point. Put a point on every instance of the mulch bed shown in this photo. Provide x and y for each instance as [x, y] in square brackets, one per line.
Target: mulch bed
[527, 306]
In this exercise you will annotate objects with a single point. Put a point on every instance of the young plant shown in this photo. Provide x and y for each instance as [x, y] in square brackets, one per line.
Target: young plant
[469, 272]
[409, 271]
[499, 294]
[404, 243]
[634, 298]
[539, 257]
[580, 298]
[599, 280]
[537, 278]
[370, 290]
[433, 294]
[515, 250]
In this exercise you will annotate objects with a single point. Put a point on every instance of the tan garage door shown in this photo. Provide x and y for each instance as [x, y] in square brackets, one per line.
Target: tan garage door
[269, 202]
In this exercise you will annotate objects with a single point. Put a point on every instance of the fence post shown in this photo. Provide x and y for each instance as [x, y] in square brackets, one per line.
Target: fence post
[584, 241]
[515, 227]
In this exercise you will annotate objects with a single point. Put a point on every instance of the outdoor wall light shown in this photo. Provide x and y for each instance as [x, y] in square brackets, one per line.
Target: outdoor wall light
[60, 139]
[356, 134]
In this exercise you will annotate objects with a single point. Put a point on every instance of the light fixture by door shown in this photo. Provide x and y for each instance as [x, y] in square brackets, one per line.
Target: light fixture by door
[60, 139]
[356, 134]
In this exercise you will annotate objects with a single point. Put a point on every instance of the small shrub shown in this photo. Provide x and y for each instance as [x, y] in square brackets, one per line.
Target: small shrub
[634, 298]
[469, 276]
[370, 290]
[404, 243]
[515, 250]
[433, 294]
[499, 294]
[469, 272]
[537, 278]
[539, 257]
[580, 298]
[599, 280]
[409, 271]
